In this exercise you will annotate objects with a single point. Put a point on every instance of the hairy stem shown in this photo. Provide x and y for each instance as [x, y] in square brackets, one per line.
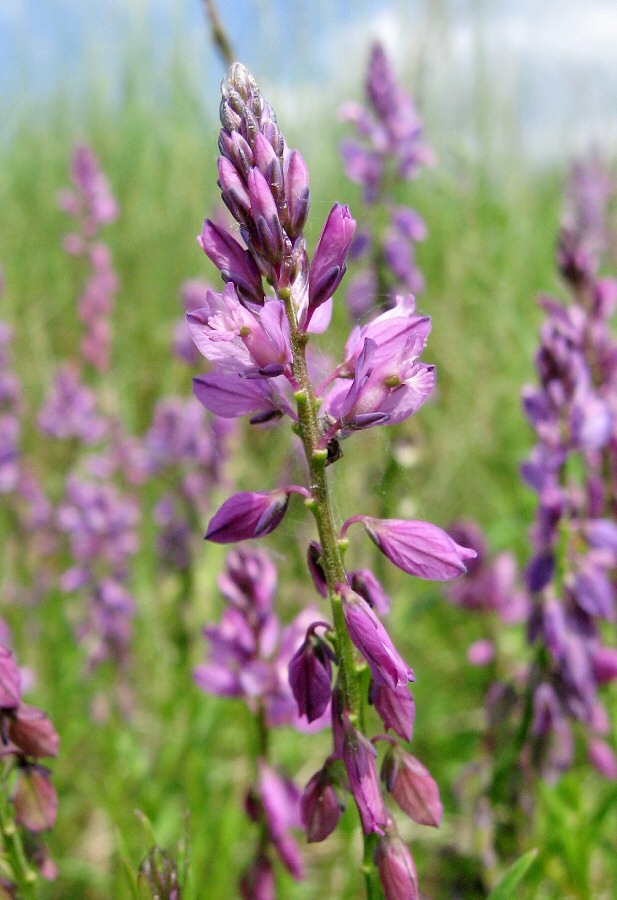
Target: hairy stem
[350, 677]
[321, 507]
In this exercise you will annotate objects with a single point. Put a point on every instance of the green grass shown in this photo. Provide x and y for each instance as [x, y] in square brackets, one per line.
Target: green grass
[490, 251]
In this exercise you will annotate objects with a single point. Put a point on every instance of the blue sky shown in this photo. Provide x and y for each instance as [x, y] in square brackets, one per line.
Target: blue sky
[551, 65]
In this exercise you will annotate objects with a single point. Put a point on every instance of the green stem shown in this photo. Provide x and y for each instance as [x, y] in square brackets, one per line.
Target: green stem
[372, 882]
[321, 507]
[350, 676]
[24, 875]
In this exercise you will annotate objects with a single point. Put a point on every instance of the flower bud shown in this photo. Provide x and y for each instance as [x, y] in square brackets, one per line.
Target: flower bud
[359, 757]
[603, 759]
[310, 678]
[31, 731]
[35, 799]
[258, 882]
[365, 583]
[397, 869]
[313, 558]
[297, 194]
[373, 641]
[321, 805]
[248, 515]
[10, 682]
[412, 786]
[328, 266]
[417, 548]
[396, 707]
[233, 261]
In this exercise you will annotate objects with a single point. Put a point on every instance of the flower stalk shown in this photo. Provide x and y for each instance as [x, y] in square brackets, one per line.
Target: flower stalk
[321, 506]
[256, 334]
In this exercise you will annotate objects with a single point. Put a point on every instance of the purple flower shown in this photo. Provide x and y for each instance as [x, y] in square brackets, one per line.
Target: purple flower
[366, 583]
[70, 410]
[481, 652]
[359, 757]
[234, 262]
[397, 869]
[93, 206]
[602, 758]
[604, 662]
[391, 331]
[328, 266]
[32, 732]
[248, 515]
[322, 803]
[413, 787]
[10, 681]
[373, 641]
[249, 581]
[313, 557]
[389, 143]
[258, 881]
[229, 396]
[281, 803]
[417, 548]
[35, 799]
[240, 341]
[388, 391]
[310, 676]
[396, 707]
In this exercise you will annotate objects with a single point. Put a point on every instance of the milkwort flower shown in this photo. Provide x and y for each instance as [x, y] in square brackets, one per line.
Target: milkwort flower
[249, 658]
[570, 578]
[92, 205]
[101, 523]
[10, 409]
[188, 449]
[249, 650]
[255, 333]
[388, 149]
[567, 590]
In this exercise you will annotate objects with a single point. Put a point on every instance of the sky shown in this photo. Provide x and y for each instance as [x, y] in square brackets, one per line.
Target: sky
[546, 69]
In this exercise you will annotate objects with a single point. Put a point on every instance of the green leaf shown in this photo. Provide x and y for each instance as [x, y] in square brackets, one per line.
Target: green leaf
[505, 889]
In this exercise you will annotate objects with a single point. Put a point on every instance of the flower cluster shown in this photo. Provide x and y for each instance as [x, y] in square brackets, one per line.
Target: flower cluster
[101, 523]
[10, 407]
[255, 336]
[249, 659]
[571, 577]
[27, 737]
[70, 411]
[188, 450]
[589, 192]
[388, 149]
[490, 585]
[92, 205]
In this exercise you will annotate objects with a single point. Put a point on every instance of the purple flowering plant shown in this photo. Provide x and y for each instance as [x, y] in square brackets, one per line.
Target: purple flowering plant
[539, 710]
[387, 151]
[255, 333]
